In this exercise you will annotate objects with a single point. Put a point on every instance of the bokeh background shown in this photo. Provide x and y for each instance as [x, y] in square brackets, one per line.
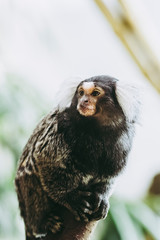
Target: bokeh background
[44, 43]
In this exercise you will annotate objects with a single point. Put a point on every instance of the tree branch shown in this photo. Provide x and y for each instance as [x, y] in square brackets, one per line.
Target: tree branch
[73, 230]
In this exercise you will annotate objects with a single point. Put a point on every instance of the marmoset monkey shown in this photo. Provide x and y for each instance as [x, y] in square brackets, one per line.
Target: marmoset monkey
[74, 155]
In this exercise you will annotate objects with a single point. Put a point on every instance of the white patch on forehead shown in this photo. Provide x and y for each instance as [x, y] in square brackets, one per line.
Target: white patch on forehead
[88, 85]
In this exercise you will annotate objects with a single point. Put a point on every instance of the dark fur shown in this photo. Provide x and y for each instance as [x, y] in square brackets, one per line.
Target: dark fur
[71, 161]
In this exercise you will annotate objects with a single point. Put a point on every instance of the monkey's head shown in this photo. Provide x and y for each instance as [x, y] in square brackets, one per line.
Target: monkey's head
[106, 99]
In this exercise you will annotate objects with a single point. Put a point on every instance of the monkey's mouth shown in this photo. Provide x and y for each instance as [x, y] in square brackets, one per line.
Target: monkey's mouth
[86, 110]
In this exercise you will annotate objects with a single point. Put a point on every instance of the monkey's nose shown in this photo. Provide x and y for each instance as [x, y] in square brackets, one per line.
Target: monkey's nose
[85, 102]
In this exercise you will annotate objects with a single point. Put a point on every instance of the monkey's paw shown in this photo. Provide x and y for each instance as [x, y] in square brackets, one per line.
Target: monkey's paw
[101, 211]
[89, 206]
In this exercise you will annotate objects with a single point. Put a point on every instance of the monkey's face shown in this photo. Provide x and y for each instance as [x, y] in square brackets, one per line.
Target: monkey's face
[104, 98]
[88, 97]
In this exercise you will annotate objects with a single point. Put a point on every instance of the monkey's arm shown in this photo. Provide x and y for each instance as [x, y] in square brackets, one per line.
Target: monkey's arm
[85, 202]
[57, 175]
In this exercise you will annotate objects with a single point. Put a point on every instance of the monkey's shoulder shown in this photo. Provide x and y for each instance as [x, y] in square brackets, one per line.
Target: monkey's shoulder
[41, 138]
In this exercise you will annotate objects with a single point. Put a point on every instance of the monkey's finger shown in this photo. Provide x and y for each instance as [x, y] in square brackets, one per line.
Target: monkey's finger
[83, 216]
[86, 204]
[80, 215]
[86, 210]
[97, 199]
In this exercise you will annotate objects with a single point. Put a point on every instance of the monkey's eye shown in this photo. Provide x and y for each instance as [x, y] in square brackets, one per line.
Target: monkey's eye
[95, 93]
[81, 92]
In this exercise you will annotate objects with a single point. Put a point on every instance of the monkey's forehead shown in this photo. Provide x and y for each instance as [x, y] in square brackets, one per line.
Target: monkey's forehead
[88, 87]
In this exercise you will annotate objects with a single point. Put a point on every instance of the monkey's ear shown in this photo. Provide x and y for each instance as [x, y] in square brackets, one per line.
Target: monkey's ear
[66, 92]
[129, 100]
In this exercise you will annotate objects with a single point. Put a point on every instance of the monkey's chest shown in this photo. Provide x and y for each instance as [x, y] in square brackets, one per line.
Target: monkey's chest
[91, 155]
[92, 150]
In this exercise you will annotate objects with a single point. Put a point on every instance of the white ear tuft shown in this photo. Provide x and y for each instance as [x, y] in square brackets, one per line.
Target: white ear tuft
[66, 92]
[129, 100]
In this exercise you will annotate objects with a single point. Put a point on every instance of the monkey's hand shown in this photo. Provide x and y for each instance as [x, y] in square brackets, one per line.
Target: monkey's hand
[87, 206]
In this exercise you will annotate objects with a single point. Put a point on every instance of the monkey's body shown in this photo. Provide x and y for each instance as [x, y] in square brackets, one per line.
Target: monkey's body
[71, 160]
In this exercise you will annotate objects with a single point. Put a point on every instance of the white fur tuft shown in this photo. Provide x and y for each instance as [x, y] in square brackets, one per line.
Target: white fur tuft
[39, 235]
[129, 100]
[66, 92]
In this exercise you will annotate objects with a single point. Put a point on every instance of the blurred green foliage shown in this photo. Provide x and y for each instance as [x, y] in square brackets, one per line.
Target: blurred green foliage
[21, 107]
[129, 221]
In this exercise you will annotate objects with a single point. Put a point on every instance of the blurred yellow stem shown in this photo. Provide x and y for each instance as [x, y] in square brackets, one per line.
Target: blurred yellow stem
[130, 35]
